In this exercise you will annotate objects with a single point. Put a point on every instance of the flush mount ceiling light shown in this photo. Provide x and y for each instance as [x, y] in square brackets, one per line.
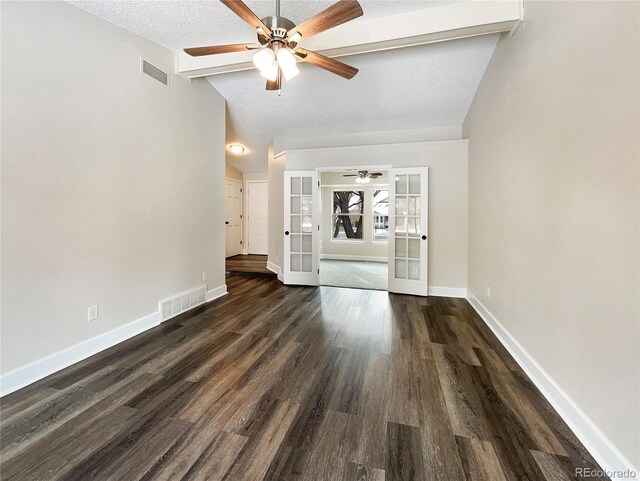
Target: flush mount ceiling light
[236, 149]
[279, 38]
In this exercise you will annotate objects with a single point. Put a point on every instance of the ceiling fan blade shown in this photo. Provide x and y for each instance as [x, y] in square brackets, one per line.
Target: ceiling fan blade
[375, 174]
[215, 49]
[333, 66]
[350, 175]
[275, 84]
[336, 14]
[245, 13]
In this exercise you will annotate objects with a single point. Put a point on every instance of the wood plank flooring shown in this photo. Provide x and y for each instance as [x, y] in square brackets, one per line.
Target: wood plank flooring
[248, 264]
[294, 383]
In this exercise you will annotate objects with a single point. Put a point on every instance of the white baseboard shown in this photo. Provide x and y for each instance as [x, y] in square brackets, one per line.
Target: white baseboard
[596, 442]
[447, 291]
[343, 257]
[34, 371]
[276, 270]
[216, 292]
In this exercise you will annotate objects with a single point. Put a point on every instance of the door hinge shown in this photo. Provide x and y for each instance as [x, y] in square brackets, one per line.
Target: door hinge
[240, 242]
[240, 190]
[318, 226]
[318, 271]
[241, 216]
[318, 183]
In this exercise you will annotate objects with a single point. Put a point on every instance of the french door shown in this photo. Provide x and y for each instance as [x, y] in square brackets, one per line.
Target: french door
[408, 239]
[301, 228]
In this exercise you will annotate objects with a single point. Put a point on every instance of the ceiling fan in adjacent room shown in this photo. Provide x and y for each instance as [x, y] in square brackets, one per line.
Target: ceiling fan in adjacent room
[364, 176]
[279, 41]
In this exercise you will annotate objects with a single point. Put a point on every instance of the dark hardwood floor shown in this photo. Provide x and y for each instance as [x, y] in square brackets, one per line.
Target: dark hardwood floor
[251, 264]
[294, 383]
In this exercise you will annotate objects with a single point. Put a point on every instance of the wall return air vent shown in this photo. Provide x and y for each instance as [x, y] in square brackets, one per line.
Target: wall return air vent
[154, 72]
[179, 303]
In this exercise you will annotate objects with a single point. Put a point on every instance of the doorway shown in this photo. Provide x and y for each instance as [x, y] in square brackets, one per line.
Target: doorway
[233, 217]
[406, 225]
[354, 229]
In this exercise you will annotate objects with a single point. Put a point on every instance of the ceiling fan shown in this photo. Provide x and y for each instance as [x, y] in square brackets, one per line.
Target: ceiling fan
[364, 176]
[279, 40]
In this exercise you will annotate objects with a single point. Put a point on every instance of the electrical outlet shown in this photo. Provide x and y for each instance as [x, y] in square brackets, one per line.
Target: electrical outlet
[204, 277]
[488, 292]
[92, 313]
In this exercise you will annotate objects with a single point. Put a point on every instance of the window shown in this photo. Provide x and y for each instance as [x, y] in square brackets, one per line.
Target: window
[348, 206]
[380, 215]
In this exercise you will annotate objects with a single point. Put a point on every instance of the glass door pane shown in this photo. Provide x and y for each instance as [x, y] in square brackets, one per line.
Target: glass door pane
[300, 239]
[408, 249]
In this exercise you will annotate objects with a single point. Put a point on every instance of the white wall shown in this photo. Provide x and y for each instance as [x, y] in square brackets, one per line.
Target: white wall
[360, 249]
[230, 172]
[447, 162]
[276, 207]
[112, 183]
[553, 203]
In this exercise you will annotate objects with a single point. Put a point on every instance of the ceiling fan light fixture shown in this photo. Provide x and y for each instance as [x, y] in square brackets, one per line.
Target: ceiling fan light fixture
[287, 62]
[270, 72]
[363, 180]
[264, 59]
[295, 37]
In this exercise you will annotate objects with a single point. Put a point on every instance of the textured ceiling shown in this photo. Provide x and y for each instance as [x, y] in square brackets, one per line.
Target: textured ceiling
[425, 86]
[180, 24]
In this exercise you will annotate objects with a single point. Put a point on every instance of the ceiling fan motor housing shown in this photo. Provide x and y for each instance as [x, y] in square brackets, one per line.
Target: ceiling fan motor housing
[279, 27]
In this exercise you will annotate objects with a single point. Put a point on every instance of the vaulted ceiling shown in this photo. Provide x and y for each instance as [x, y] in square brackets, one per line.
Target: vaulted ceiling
[423, 86]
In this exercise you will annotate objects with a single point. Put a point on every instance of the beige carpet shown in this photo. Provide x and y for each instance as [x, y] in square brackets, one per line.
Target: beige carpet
[357, 274]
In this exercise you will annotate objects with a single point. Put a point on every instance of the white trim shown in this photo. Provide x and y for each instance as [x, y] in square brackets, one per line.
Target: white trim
[370, 146]
[273, 267]
[41, 368]
[347, 257]
[447, 291]
[596, 442]
[216, 292]
[36, 370]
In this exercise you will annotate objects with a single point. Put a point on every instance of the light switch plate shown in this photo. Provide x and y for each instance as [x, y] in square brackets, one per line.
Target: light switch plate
[92, 312]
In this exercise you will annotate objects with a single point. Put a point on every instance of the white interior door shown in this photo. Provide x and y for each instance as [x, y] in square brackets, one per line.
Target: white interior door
[408, 242]
[233, 209]
[301, 228]
[257, 217]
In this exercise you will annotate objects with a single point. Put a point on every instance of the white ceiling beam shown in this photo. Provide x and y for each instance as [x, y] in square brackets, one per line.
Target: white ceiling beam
[433, 24]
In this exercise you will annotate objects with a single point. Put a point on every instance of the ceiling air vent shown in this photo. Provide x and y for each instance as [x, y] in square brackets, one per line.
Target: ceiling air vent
[155, 72]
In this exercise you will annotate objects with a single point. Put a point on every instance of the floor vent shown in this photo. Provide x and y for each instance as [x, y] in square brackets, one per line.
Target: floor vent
[172, 306]
[155, 72]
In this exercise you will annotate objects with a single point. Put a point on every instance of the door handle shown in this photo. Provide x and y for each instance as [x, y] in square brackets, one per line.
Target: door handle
[424, 237]
[226, 222]
[286, 232]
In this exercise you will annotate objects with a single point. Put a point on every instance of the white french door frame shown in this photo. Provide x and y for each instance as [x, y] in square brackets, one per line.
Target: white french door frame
[303, 272]
[409, 282]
